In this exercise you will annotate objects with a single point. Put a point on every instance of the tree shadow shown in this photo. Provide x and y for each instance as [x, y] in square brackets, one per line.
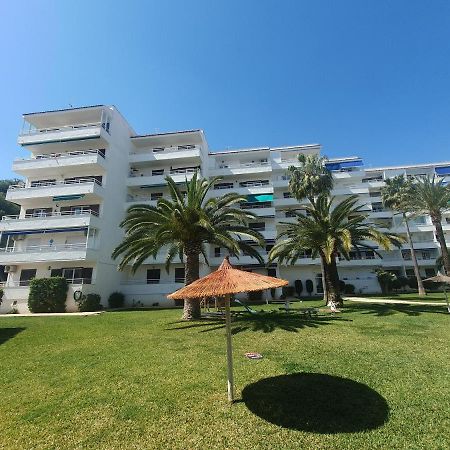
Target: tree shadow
[8, 333]
[265, 322]
[317, 403]
[388, 309]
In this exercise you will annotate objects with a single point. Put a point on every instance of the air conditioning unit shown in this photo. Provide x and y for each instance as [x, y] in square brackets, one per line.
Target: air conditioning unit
[10, 269]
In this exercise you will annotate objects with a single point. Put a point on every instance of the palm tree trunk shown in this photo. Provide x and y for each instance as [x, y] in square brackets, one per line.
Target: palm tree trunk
[191, 310]
[441, 239]
[414, 259]
[324, 287]
[332, 281]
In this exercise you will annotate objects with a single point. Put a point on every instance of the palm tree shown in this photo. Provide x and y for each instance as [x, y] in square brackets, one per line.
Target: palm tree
[184, 225]
[309, 180]
[432, 196]
[397, 194]
[440, 261]
[330, 229]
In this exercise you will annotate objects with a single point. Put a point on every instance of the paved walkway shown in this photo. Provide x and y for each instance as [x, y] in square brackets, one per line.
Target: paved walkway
[73, 314]
[394, 302]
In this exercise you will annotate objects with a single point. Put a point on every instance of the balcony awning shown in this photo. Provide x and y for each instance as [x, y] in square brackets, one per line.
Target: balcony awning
[343, 164]
[442, 170]
[60, 198]
[255, 198]
[42, 231]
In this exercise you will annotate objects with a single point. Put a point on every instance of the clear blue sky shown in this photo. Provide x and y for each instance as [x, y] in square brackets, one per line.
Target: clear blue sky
[368, 78]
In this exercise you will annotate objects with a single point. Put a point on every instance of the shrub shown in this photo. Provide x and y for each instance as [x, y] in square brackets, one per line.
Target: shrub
[48, 295]
[1, 296]
[400, 283]
[116, 300]
[432, 286]
[255, 296]
[298, 287]
[341, 285]
[385, 279]
[89, 302]
[309, 287]
[349, 289]
[412, 283]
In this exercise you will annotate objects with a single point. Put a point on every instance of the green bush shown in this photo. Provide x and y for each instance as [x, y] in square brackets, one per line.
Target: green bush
[298, 287]
[116, 300]
[1, 296]
[349, 289]
[385, 279]
[89, 302]
[309, 287]
[48, 295]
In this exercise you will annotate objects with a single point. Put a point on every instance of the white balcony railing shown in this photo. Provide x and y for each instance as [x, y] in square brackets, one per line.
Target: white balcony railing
[98, 151]
[45, 248]
[44, 215]
[159, 150]
[243, 165]
[39, 184]
[26, 283]
[33, 131]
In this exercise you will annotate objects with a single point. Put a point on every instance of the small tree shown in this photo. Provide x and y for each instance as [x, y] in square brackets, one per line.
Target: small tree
[385, 279]
[298, 287]
[309, 287]
[116, 300]
[89, 302]
[47, 295]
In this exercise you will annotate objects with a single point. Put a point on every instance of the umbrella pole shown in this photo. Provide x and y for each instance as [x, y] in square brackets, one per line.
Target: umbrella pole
[229, 350]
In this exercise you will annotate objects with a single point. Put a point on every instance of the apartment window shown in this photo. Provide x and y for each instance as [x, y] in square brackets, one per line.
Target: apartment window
[410, 273]
[38, 212]
[372, 179]
[186, 147]
[217, 252]
[377, 207]
[153, 276]
[375, 194]
[158, 149]
[430, 272]
[254, 183]
[289, 214]
[258, 226]
[224, 186]
[157, 172]
[156, 195]
[287, 195]
[74, 275]
[37, 183]
[179, 275]
[26, 275]
[98, 178]
[272, 272]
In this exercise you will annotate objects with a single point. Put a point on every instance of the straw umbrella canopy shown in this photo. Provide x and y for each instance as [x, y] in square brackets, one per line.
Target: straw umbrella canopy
[445, 279]
[224, 282]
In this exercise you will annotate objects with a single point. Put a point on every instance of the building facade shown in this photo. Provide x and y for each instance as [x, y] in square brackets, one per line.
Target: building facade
[86, 166]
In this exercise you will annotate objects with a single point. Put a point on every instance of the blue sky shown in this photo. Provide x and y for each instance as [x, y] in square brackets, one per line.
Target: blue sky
[368, 78]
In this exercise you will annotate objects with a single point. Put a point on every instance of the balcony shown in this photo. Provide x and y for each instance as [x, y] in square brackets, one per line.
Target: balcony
[52, 163]
[262, 209]
[353, 189]
[46, 253]
[179, 152]
[147, 179]
[90, 189]
[240, 168]
[286, 201]
[55, 219]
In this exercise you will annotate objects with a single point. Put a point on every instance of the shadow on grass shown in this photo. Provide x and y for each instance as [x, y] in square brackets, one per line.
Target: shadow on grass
[388, 309]
[266, 322]
[316, 403]
[8, 333]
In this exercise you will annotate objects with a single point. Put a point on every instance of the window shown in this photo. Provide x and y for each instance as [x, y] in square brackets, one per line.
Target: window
[224, 186]
[158, 149]
[254, 183]
[269, 247]
[179, 275]
[38, 212]
[157, 172]
[74, 275]
[156, 195]
[430, 273]
[42, 182]
[153, 276]
[26, 275]
[217, 252]
[287, 195]
[258, 226]
[410, 273]
[272, 272]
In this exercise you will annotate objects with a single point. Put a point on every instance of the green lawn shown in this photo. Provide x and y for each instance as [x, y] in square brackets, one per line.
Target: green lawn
[410, 296]
[373, 377]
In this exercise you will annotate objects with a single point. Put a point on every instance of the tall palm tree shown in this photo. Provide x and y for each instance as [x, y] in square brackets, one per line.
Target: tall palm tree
[184, 224]
[309, 180]
[397, 194]
[432, 196]
[330, 229]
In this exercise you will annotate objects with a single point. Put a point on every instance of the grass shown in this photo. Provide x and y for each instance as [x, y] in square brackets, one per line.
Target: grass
[374, 377]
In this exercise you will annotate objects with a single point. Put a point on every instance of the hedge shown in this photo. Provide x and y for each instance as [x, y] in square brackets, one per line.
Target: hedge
[48, 295]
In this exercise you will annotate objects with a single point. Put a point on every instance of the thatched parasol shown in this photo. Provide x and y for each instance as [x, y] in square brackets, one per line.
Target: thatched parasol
[222, 283]
[445, 279]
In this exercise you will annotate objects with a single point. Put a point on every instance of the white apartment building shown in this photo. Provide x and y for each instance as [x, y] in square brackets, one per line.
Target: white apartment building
[86, 166]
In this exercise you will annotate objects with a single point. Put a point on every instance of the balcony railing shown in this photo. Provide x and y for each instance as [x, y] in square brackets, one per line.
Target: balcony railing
[45, 248]
[256, 205]
[243, 165]
[38, 184]
[43, 215]
[99, 151]
[31, 130]
[160, 150]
